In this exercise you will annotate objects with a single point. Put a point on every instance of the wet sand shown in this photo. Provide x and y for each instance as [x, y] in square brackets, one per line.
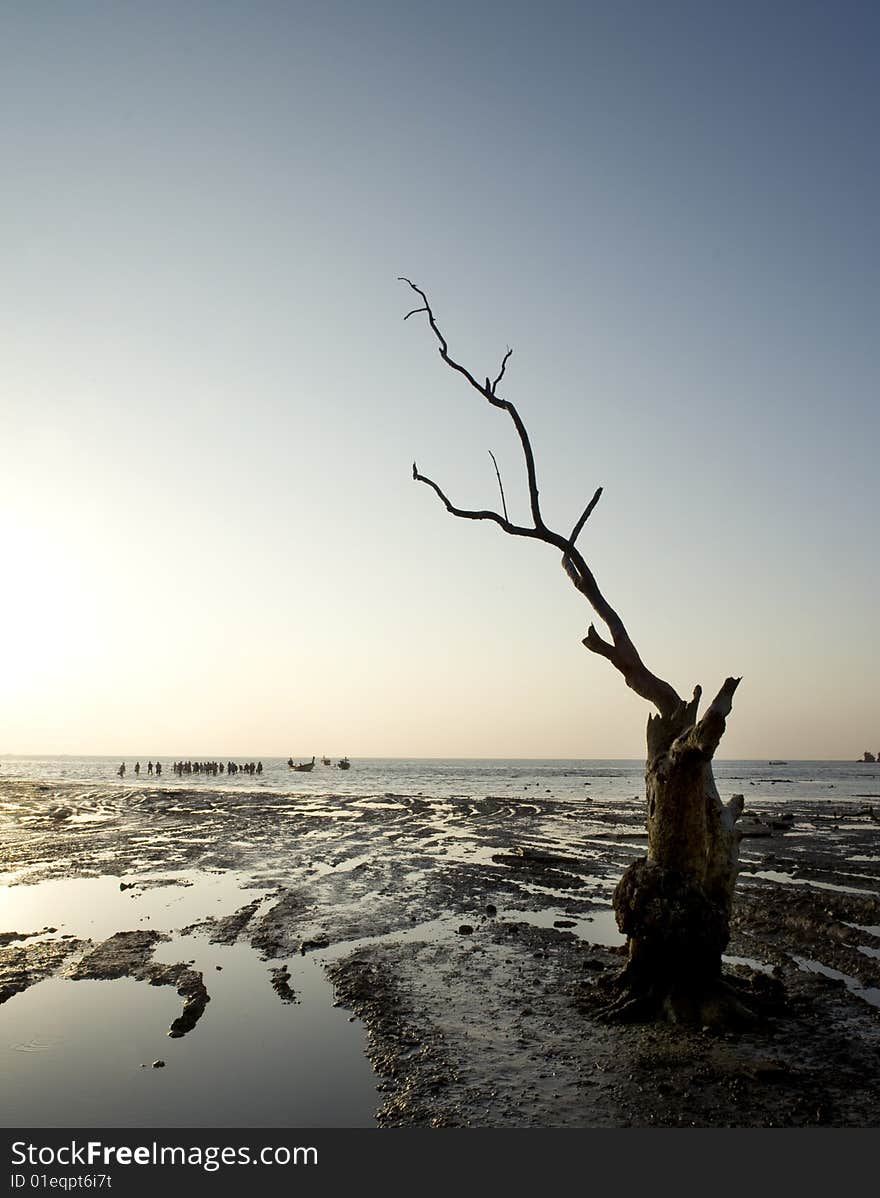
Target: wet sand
[466, 940]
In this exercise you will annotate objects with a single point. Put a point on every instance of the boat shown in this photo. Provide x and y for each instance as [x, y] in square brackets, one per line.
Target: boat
[303, 766]
[326, 761]
[343, 764]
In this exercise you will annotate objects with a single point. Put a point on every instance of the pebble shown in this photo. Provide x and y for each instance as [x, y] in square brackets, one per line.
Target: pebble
[465, 929]
[158, 1064]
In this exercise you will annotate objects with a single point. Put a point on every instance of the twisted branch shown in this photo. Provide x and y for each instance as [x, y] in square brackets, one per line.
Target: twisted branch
[620, 651]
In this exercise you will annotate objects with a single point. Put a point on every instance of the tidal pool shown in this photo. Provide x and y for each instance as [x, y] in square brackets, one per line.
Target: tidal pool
[81, 1053]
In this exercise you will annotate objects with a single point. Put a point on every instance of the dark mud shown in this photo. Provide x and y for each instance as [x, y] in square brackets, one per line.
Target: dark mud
[530, 1052]
[23, 965]
[494, 1026]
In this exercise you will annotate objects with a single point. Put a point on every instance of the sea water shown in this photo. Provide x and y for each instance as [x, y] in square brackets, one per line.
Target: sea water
[437, 778]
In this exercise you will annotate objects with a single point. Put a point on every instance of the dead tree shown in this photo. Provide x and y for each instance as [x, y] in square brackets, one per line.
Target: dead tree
[674, 904]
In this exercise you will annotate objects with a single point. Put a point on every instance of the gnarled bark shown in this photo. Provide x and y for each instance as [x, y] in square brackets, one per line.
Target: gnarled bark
[674, 904]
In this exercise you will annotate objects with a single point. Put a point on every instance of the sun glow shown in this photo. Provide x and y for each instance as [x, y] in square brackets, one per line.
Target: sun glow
[49, 611]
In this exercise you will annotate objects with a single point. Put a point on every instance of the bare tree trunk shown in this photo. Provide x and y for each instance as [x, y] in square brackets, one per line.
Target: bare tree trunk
[674, 904]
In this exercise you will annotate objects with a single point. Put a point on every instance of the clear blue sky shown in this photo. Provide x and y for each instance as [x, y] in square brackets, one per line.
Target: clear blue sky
[209, 404]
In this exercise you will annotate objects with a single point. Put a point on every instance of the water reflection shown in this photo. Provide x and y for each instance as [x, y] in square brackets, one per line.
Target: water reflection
[80, 1052]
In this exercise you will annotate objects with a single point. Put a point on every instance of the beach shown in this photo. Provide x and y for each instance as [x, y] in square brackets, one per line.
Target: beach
[417, 944]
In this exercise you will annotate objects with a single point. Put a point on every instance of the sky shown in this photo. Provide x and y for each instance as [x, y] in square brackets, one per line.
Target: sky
[210, 403]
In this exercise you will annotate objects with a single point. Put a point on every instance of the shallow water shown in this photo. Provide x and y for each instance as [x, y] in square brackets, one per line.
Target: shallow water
[70, 1052]
[599, 927]
[869, 994]
[83, 1050]
[94, 908]
[394, 778]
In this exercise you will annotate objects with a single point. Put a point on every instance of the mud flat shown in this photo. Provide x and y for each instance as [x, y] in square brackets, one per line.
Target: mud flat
[392, 960]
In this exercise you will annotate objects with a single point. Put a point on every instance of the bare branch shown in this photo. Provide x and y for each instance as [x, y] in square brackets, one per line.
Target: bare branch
[588, 511]
[500, 487]
[623, 656]
[488, 392]
[707, 734]
[464, 514]
[596, 644]
[620, 651]
[501, 371]
[427, 308]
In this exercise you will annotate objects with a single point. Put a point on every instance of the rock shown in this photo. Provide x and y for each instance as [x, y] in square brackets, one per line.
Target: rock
[124, 954]
[491, 909]
[465, 929]
[281, 984]
[8, 937]
[192, 990]
[320, 941]
[782, 823]
[189, 985]
[754, 827]
[227, 929]
[158, 1064]
[23, 965]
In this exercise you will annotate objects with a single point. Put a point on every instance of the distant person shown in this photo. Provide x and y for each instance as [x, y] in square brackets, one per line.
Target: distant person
[158, 768]
[121, 770]
[259, 767]
[149, 768]
[137, 768]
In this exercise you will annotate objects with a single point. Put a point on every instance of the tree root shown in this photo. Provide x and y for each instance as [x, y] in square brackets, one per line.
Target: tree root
[716, 1005]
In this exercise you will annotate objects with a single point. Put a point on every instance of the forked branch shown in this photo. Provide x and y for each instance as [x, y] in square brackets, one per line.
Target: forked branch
[513, 529]
[620, 651]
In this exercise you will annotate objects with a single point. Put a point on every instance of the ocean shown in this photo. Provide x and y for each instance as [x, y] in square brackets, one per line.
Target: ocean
[448, 778]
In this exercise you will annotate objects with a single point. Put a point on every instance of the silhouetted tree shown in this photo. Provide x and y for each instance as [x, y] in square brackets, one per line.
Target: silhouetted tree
[674, 904]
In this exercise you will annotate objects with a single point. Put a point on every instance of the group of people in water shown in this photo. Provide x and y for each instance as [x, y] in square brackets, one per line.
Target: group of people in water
[197, 767]
[217, 767]
[137, 768]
